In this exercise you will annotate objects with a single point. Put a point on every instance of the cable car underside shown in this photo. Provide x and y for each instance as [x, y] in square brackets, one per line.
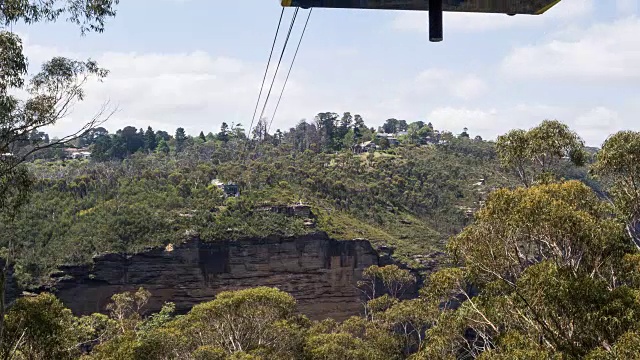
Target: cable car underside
[435, 8]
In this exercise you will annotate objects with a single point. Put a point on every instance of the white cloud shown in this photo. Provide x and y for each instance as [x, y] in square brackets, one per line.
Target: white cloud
[626, 7]
[593, 125]
[566, 10]
[598, 118]
[193, 90]
[198, 91]
[604, 52]
[464, 86]
[455, 119]
[570, 9]
[494, 121]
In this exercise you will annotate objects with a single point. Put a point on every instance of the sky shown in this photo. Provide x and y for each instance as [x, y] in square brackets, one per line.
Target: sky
[198, 63]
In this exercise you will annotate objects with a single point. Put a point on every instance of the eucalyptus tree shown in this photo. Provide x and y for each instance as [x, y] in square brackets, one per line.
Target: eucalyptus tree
[554, 274]
[533, 155]
[49, 97]
[618, 167]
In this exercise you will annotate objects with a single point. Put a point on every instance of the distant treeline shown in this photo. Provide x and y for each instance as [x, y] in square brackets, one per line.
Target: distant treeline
[329, 132]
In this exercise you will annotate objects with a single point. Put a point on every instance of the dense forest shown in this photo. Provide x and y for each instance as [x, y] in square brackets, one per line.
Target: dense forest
[539, 236]
[545, 266]
[410, 196]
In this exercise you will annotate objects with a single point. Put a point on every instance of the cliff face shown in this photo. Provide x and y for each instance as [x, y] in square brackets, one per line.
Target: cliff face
[11, 289]
[321, 273]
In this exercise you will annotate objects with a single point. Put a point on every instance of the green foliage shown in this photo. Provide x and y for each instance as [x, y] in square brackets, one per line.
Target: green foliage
[394, 281]
[563, 222]
[409, 319]
[50, 94]
[41, 328]
[534, 155]
[52, 91]
[258, 323]
[121, 347]
[513, 345]
[245, 320]
[540, 272]
[618, 166]
[181, 138]
[89, 16]
[12, 62]
[162, 147]
[150, 140]
[209, 353]
[554, 272]
[412, 198]
[125, 309]
[626, 347]
[355, 339]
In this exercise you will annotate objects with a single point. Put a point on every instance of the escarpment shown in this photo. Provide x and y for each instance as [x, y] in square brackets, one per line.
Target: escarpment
[320, 272]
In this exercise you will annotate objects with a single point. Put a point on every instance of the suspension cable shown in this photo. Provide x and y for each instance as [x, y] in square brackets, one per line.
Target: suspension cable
[266, 70]
[290, 68]
[284, 47]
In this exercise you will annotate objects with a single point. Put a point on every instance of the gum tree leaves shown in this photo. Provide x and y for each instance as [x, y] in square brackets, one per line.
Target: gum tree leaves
[618, 165]
[88, 15]
[534, 154]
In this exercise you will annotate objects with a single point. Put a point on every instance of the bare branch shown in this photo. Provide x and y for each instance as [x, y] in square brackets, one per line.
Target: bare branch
[102, 116]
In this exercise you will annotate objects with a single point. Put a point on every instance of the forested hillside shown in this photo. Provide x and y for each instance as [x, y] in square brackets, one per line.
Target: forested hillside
[538, 266]
[546, 269]
[143, 189]
[541, 236]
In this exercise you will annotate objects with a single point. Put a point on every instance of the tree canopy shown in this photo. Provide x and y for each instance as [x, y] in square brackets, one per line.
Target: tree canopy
[540, 261]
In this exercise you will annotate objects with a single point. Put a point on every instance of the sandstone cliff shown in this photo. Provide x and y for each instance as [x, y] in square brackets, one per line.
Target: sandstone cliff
[321, 273]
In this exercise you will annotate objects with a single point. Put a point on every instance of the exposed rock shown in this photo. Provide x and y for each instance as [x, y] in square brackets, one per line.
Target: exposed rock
[299, 210]
[431, 262]
[321, 273]
[386, 255]
[12, 290]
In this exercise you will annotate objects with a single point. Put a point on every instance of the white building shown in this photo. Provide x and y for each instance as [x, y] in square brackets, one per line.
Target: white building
[81, 155]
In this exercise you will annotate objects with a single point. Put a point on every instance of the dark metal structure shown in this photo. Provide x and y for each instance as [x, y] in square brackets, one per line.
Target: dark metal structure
[435, 8]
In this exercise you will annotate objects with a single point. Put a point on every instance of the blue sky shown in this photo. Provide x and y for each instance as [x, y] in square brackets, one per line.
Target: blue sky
[197, 63]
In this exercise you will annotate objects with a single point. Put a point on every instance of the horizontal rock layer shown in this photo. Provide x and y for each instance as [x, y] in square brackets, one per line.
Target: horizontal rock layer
[321, 273]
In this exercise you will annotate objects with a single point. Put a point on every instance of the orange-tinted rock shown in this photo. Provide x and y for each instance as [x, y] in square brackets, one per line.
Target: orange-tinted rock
[321, 273]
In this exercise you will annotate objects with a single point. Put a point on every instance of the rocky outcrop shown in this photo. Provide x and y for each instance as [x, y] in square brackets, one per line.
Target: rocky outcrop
[299, 210]
[321, 273]
[11, 289]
